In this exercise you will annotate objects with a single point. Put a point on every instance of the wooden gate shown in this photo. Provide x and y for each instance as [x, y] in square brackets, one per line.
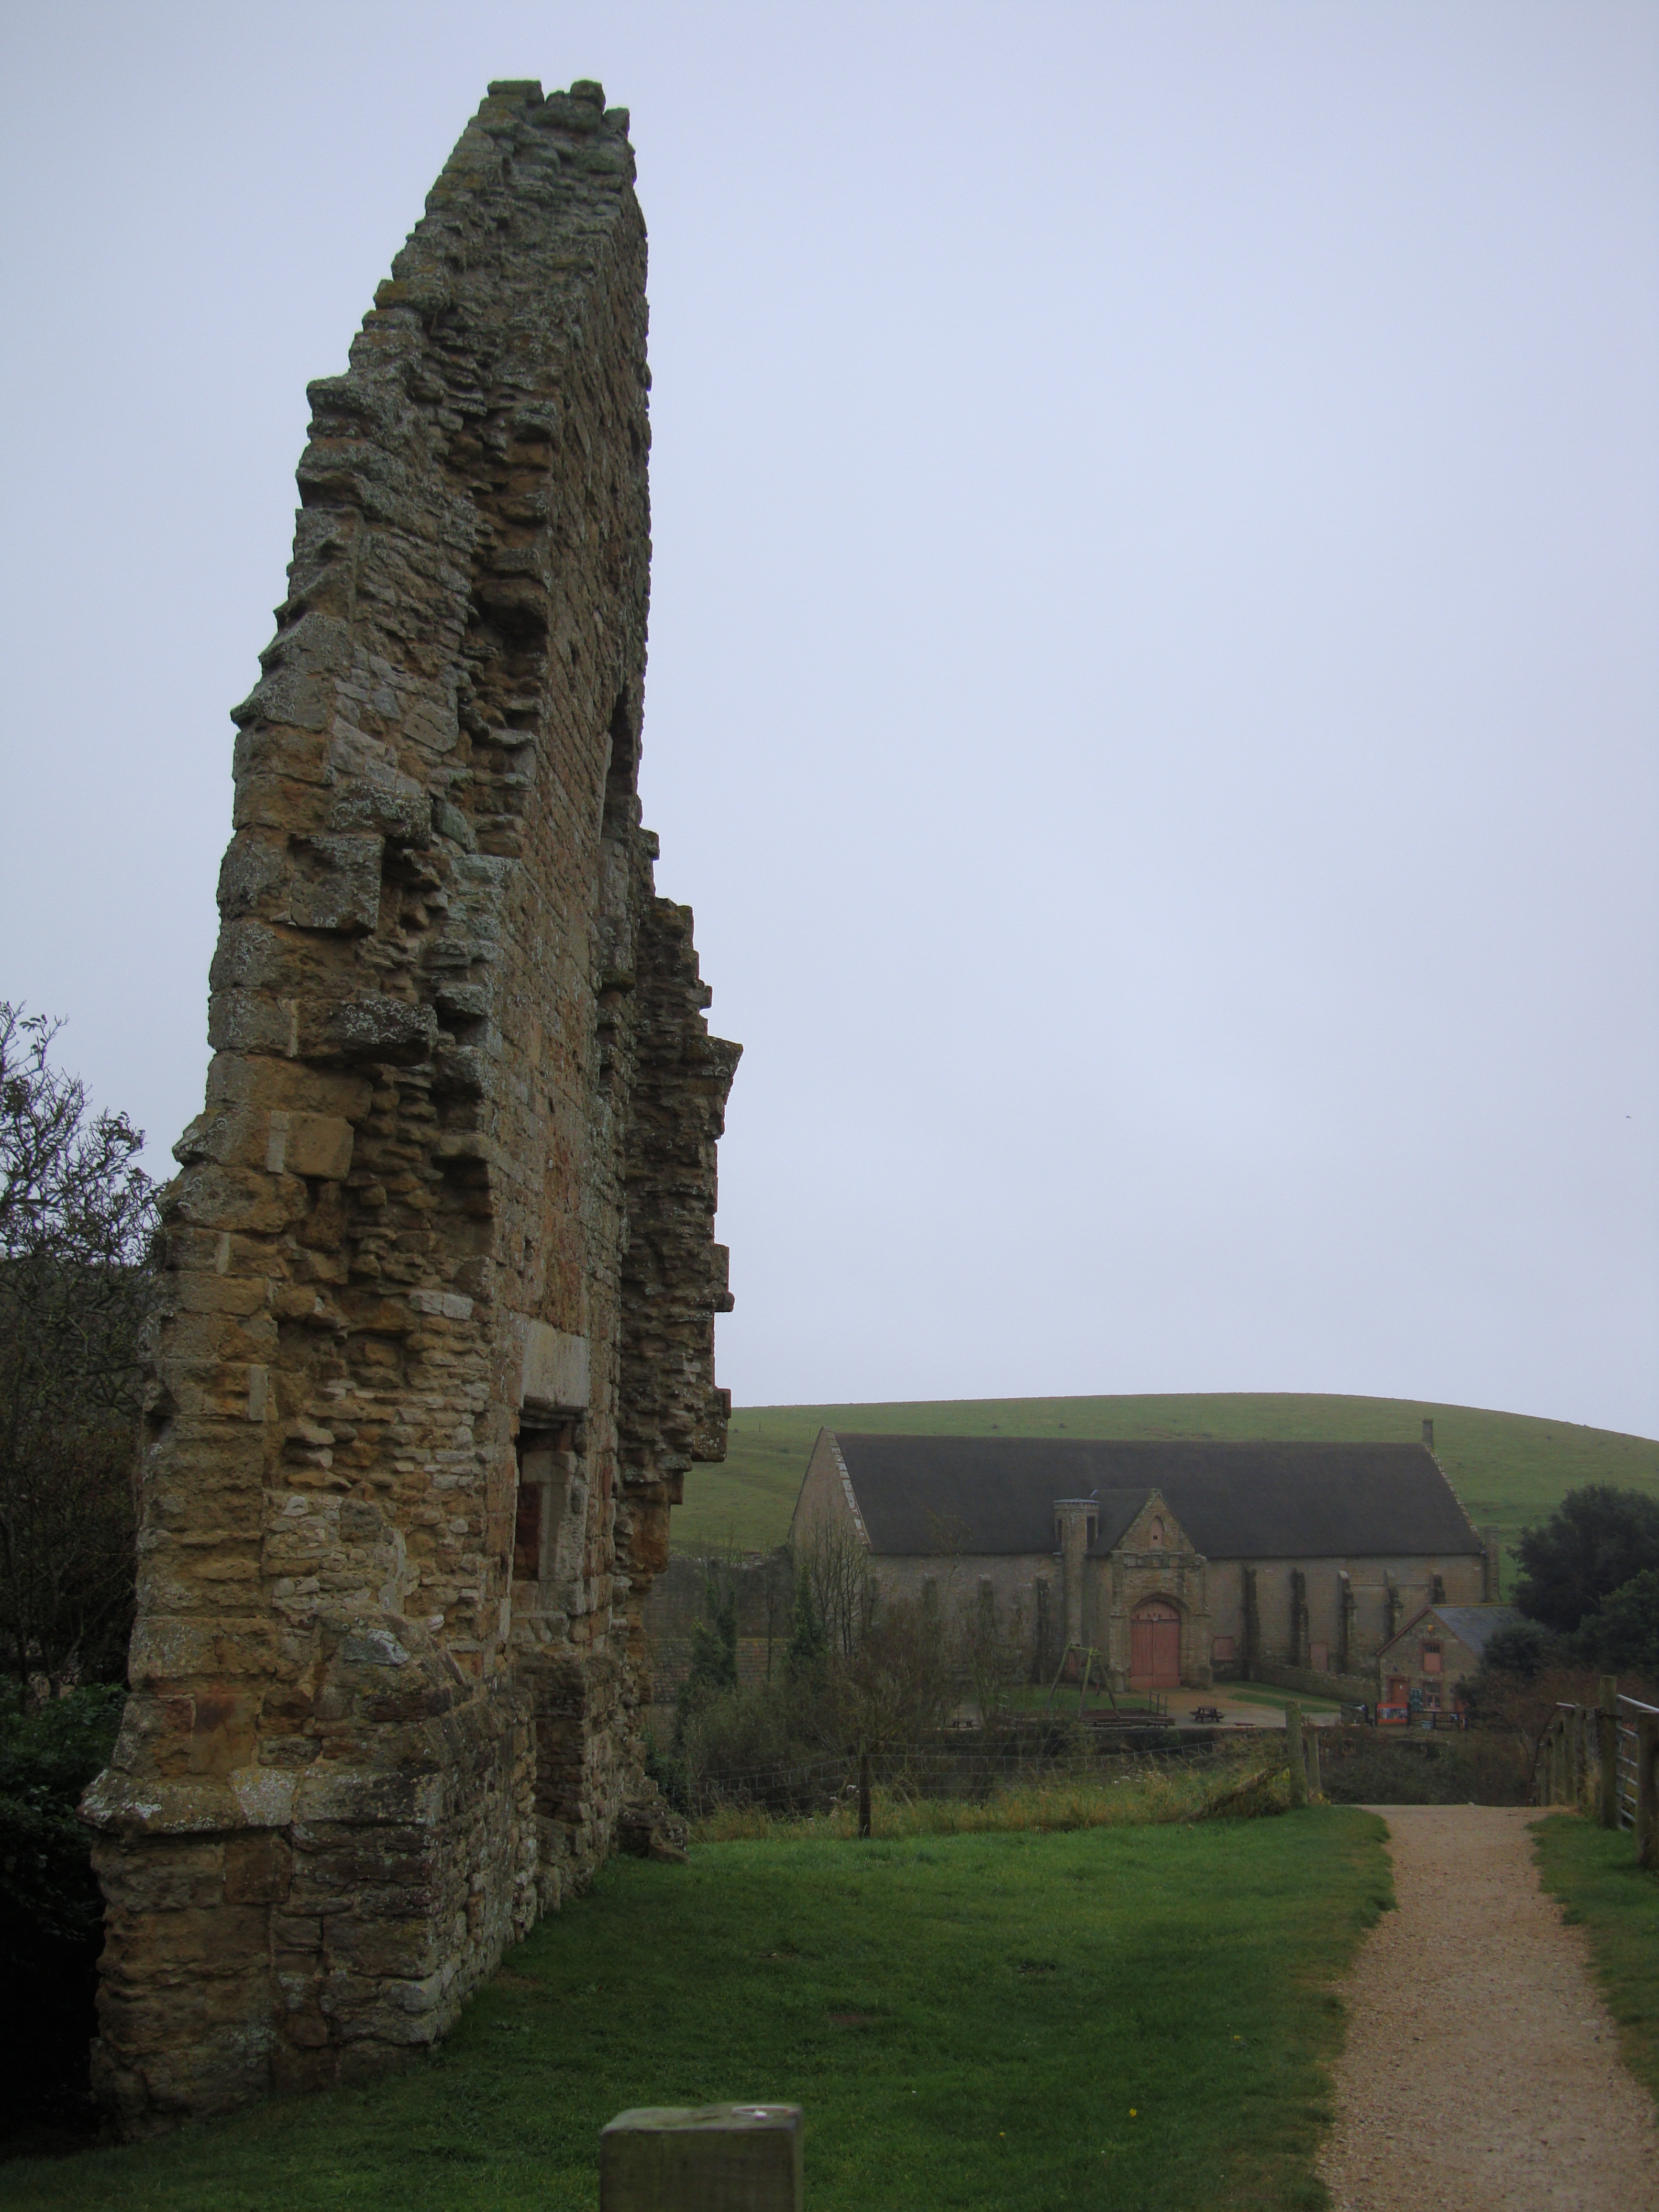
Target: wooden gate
[1155, 1646]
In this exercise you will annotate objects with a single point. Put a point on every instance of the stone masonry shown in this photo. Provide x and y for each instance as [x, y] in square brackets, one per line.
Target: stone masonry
[437, 1341]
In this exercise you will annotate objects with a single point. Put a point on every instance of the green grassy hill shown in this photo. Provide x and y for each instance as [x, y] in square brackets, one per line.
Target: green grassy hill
[1508, 1468]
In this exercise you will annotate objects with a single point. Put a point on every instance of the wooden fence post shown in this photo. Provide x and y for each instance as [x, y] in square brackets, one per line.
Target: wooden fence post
[701, 2158]
[1606, 1742]
[864, 1787]
[1296, 1751]
[1580, 1756]
[1647, 1791]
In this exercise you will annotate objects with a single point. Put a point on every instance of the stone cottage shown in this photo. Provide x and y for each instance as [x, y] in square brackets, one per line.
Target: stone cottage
[1180, 1563]
[1422, 1670]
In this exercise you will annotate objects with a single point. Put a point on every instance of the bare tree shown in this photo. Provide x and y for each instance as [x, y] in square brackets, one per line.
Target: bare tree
[991, 1648]
[76, 1220]
[842, 1589]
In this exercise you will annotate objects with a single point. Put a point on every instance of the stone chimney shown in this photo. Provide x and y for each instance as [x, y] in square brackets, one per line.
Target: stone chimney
[1492, 1575]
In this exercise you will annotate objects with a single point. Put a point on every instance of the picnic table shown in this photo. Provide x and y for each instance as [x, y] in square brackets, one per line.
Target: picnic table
[1207, 1713]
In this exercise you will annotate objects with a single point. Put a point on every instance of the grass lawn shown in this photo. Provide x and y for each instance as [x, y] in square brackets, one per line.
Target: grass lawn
[1593, 1873]
[1508, 1468]
[1132, 2018]
[1264, 1694]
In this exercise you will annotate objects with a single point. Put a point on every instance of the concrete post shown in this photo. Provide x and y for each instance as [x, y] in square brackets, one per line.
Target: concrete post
[1297, 1755]
[707, 2157]
[1647, 1791]
[1606, 1744]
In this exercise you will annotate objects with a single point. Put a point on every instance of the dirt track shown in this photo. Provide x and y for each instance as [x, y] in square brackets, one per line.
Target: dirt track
[1482, 2070]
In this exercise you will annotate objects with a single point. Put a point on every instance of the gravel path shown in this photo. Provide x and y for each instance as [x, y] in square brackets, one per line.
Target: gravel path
[1482, 2070]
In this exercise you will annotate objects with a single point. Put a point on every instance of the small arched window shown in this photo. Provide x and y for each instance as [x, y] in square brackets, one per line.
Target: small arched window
[1157, 1530]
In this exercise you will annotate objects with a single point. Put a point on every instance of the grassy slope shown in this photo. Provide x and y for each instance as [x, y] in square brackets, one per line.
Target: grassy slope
[1508, 1468]
[1131, 2018]
[1593, 1871]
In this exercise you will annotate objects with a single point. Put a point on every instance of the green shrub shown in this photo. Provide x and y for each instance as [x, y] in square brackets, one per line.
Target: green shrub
[51, 1914]
[1369, 1766]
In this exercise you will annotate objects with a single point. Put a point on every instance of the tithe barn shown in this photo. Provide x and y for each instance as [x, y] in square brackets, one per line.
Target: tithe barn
[1180, 1563]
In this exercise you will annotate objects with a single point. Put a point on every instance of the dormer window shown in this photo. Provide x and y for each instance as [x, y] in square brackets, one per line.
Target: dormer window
[1155, 1535]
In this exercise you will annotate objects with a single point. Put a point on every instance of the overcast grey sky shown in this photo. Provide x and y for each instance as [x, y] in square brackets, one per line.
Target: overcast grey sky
[1153, 680]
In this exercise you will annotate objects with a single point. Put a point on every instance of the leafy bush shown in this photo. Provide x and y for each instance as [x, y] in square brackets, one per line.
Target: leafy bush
[1522, 1652]
[1621, 1636]
[1597, 1538]
[1368, 1766]
[52, 1922]
[76, 1221]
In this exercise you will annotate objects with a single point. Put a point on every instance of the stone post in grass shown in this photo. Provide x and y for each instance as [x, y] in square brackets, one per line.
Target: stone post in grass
[1311, 1750]
[1606, 1747]
[707, 2158]
[1297, 1755]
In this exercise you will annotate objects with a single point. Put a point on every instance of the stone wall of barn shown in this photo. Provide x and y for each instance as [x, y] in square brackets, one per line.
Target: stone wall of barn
[437, 1341]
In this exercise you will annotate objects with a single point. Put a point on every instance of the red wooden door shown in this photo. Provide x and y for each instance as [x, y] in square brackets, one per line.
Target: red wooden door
[1155, 1646]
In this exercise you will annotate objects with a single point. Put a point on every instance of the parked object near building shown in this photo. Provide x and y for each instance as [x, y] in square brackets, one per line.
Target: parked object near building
[1184, 1562]
[1420, 1672]
[437, 1339]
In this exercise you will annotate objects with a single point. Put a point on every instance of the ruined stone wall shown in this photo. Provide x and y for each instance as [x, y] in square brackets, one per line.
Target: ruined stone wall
[437, 1344]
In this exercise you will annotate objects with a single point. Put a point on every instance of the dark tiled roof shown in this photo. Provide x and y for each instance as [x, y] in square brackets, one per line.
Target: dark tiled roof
[1473, 1625]
[1235, 1501]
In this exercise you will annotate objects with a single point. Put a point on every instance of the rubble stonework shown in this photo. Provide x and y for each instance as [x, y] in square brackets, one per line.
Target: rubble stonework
[437, 1341]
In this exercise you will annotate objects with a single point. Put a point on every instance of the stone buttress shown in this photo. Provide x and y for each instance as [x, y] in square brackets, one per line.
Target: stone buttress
[436, 1344]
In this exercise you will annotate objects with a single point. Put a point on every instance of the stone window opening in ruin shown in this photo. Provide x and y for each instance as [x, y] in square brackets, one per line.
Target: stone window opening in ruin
[546, 1455]
[1157, 1534]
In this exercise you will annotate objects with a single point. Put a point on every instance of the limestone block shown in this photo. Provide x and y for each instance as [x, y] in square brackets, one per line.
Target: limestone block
[252, 872]
[251, 957]
[237, 1079]
[251, 1022]
[397, 808]
[337, 883]
[554, 1370]
[318, 1145]
[372, 1027]
[709, 2158]
[258, 1868]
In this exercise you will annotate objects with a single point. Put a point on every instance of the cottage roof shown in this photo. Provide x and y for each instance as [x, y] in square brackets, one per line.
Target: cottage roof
[989, 1494]
[1473, 1625]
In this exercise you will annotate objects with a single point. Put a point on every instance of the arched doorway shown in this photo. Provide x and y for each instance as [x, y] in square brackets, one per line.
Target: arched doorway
[1155, 1646]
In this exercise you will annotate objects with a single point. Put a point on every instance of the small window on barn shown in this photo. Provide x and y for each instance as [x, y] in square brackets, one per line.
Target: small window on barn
[1157, 1530]
[1431, 1658]
[1222, 1648]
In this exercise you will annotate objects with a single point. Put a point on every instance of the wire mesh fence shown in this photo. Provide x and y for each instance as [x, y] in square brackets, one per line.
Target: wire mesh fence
[948, 1767]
